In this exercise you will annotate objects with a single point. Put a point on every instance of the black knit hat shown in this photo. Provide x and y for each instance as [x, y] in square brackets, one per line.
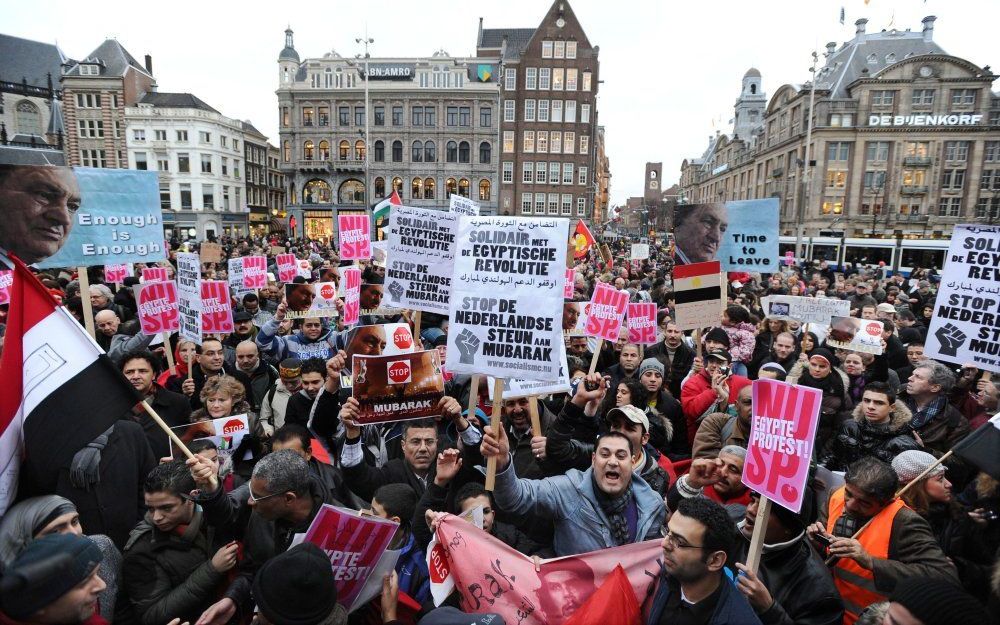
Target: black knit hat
[937, 602]
[46, 570]
[297, 588]
[717, 335]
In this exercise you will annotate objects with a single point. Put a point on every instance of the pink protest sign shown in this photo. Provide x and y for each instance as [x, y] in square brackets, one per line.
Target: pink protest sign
[782, 433]
[116, 274]
[352, 295]
[354, 544]
[6, 279]
[157, 305]
[604, 317]
[216, 309]
[254, 272]
[355, 237]
[642, 324]
[568, 287]
[155, 274]
[287, 267]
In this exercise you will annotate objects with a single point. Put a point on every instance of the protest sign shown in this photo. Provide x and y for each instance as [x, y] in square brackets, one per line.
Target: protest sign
[507, 289]
[287, 267]
[156, 303]
[387, 339]
[640, 251]
[210, 252]
[352, 295]
[642, 323]
[859, 335]
[189, 296]
[606, 312]
[216, 307]
[277, 249]
[397, 388]
[782, 433]
[698, 295]
[965, 327]
[355, 545]
[574, 317]
[355, 237]
[311, 300]
[116, 274]
[6, 280]
[370, 298]
[805, 309]
[227, 433]
[118, 220]
[507, 583]
[742, 235]
[569, 284]
[421, 258]
[379, 253]
[514, 388]
[462, 206]
[155, 274]
[304, 268]
[235, 277]
[254, 271]
[606, 255]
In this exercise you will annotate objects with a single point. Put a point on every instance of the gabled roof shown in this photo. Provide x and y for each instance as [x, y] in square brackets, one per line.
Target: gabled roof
[17, 155]
[30, 60]
[517, 40]
[872, 52]
[113, 58]
[250, 129]
[176, 101]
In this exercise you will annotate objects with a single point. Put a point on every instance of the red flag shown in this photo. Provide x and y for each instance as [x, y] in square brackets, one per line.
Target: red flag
[582, 240]
[614, 603]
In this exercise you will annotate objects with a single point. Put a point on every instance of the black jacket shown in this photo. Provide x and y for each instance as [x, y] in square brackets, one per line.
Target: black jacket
[675, 371]
[298, 409]
[858, 438]
[174, 409]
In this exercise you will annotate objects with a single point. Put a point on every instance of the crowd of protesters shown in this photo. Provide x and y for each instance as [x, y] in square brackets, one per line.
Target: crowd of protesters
[649, 447]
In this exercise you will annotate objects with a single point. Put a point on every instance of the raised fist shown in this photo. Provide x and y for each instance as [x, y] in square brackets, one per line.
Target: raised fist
[951, 338]
[467, 344]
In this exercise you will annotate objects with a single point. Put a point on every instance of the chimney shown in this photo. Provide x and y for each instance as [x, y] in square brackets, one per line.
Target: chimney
[149, 65]
[861, 23]
[831, 47]
[929, 27]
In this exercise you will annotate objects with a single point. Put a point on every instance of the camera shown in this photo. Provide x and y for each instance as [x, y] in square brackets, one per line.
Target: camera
[823, 539]
[725, 371]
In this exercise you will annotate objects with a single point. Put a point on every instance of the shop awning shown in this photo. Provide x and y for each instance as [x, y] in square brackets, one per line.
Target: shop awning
[278, 225]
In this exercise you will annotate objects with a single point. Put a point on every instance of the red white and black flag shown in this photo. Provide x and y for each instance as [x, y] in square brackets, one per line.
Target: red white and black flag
[58, 389]
[982, 447]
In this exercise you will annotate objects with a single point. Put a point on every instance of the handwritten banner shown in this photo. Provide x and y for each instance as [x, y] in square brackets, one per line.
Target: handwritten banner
[156, 303]
[805, 309]
[463, 206]
[642, 323]
[287, 267]
[189, 296]
[216, 307]
[355, 237]
[155, 274]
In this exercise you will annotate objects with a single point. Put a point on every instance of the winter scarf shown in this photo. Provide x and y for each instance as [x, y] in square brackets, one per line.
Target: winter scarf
[616, 508]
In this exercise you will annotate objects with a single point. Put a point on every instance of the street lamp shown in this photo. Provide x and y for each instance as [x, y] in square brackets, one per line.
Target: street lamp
[366, 40]
[806, 181]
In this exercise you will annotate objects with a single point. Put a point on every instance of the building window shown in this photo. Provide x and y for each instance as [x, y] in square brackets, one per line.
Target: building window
[163, 163]
[837, 120]
[559, 52]
[585, 85]
[416, 188]
[430, 152]
[923, 97]
[528, 172]
[835, 207]
[430, 116]
[874, 180]
[484, 190]
[287, 151]
[911, 177]
[485, 153]
[883, 97]
[581, 178]
[485, 117]
[352, 192]
[543, 110]
[571, 77]
[836, 179]
[531, 78]
[569, 142]
[164, 196]
[451, 116]
[526, 200]
[88, 100]
[557, 111]
[950, 207]
[429, 186]
[528, 141]
[508, 172]
[397, 151]
[510, 79]
[553, 203]
[417, 152]
[555, 142]
[545, 78]
[450, 187]
[541, 172]
[307, 116]
[380, 187]
[417, 116]
[397, 116]
[553, 172]
[92, 128]
[307, 150]
[543, 141]
[359, 150]
[508, 140]
[359, 116]
[570, 112]
[183, 163]
[160, 135]
[581, 207]
[205, 137]
[451, 152]
[139, 134]
[380, 115]
[838, 151]
[917, 148]
[464, 116]
[570, 49]
[567, 173]
[876, 151]
[909, 209]
[584, 113]
[567, 204]
[324, 115]
[539, 203]
[140, 161]
[547, 49]
[182, 136]
[185, 195]
[989, 180]
[963, 98]
[206, 163]
[317, 192]
[463, 187]
[953, 179]
[584, 144]
[397, 185]
[464, 152]
[992, 152]
[956, 150]
[208, 196]
[509, 110]
[379, 151]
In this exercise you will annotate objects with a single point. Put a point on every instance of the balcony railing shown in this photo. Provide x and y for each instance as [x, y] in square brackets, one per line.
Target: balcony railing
[917, 161]
[913, 189]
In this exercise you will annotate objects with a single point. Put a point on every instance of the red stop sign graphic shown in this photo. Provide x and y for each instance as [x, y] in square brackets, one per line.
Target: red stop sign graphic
[874, 329]
[399, 372]
[232, 427]
[402, 338]
[328, 291]
[439, 568]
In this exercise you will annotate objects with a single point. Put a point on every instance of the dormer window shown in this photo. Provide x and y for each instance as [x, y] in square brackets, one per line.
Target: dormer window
[890, 58]
[872, 59]
[90, 70]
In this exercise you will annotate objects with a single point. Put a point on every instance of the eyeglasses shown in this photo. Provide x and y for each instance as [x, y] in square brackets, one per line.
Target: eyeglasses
[255, 499]
[675, 542]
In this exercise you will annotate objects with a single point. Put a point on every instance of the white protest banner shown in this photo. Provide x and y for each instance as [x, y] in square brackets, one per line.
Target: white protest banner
[311, 300]
[304, 268]
[514, 388]
[421, 258]
[606, 312]
[116, 274]
[189, 296]
[858, 335]
[965, 327]
[507, 294]
[641, 322]
[698, 295]
[640, 251]
[216, 307]
[463, 206]
[235, 278]
[805, 309]
[355, 237]
[287, 267]
[254, 271]
[210, 252]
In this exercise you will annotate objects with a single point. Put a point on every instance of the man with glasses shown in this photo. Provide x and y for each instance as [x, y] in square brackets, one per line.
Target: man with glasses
[692, 588]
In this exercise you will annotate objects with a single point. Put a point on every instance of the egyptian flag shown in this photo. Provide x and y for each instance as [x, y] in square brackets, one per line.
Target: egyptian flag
[60, 390]
[982, 447]
[698, 282]
[582, 240]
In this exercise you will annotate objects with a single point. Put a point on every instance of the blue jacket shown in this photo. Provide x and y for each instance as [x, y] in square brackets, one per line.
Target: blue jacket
[732, 608]
[570, 502]
[298, 346]
[411, 567]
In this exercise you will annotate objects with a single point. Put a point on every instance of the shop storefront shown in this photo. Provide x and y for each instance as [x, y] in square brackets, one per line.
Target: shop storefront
[318, 224]
[260, 224]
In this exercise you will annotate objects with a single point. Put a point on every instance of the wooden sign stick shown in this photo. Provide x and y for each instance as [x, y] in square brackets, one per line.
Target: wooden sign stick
[170, 353]
[496, 422]
[759, 529]
[88, 309]
[536, 423]
[166, 428]
[597, 354]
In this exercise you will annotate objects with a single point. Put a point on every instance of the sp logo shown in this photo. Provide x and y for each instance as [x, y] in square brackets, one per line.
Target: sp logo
[399, 372]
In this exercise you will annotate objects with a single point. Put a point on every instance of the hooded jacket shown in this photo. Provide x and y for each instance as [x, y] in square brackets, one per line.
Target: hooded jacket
[859, 438]
[296, 345]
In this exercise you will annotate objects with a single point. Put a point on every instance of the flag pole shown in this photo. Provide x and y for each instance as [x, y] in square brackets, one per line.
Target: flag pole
[166, 428]
[88, 309]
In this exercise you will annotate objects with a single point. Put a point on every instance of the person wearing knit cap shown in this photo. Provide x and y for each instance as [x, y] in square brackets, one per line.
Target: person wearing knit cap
[274, 405]
[820, 371]
[772, 371]
[650, 364]
[54, 581]
[298, 588]
[931, 601]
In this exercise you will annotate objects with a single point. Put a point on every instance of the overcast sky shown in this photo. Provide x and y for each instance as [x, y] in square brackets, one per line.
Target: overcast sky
[671, 70]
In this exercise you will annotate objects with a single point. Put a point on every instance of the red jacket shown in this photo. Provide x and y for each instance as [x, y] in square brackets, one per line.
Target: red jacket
[697, 396]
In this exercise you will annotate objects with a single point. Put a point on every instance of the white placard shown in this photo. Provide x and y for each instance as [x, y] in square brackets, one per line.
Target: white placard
[189, 296]
[420, 258]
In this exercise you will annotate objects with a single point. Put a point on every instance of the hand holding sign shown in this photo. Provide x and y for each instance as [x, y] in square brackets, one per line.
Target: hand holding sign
[496, 445]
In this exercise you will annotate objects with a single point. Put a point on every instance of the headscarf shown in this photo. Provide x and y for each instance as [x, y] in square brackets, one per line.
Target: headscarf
[25, 519]
[832, 384]
[180, 365]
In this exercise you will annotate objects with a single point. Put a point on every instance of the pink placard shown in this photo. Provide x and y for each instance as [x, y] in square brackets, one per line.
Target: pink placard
[568, 287]
[6, 279]
[287, 267]
[352, 295]
[157, 304]
[216, 309]
[116, 274]
[155, 274]
[604, 317]
[641, 322]
[355, 237]
[782, 433]
[254, 272]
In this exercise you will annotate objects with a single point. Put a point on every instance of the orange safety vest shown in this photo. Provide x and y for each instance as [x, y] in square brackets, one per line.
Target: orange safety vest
[857, 584]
